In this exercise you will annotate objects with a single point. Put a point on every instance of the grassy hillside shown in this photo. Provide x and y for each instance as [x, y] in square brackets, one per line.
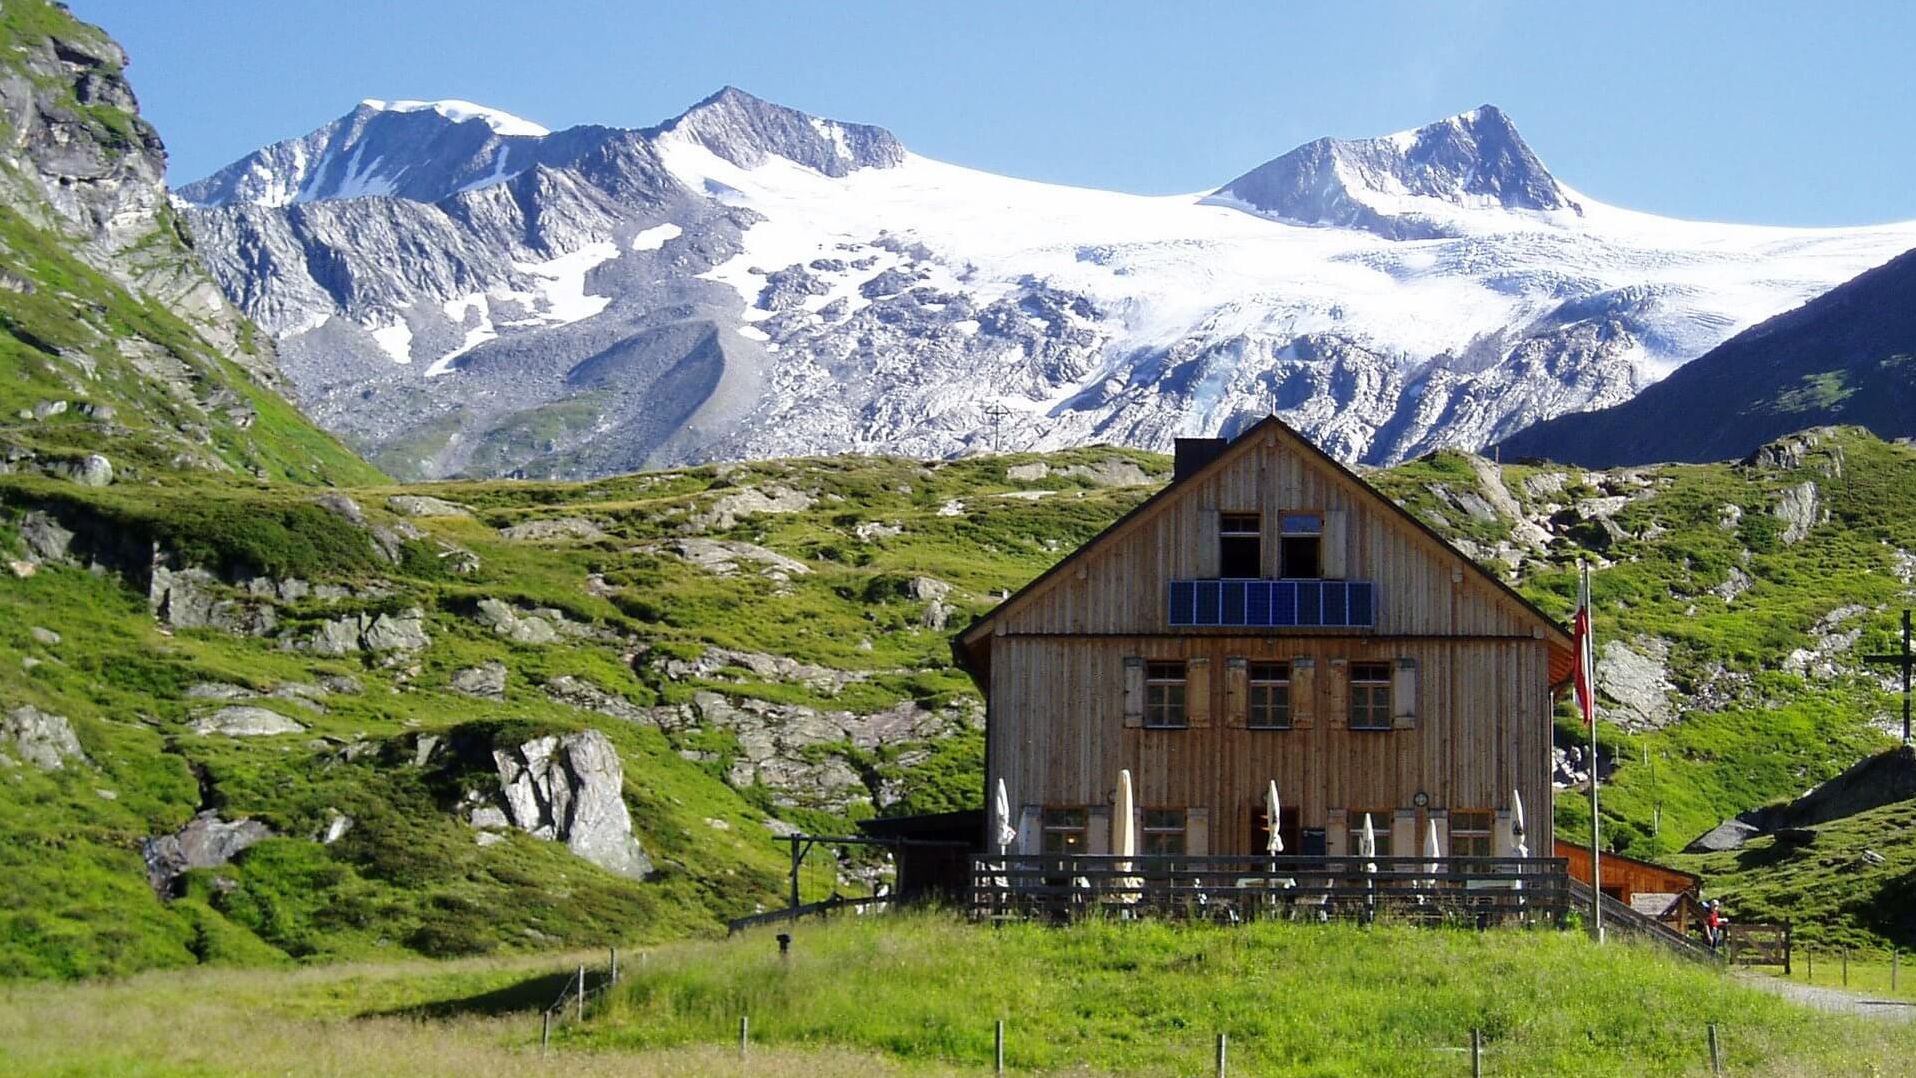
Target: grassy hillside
[1293, 999]
[1093, 999]
[758, 641]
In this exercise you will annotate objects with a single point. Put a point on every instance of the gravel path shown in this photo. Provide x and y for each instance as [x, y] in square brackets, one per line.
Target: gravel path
[1836, 1000]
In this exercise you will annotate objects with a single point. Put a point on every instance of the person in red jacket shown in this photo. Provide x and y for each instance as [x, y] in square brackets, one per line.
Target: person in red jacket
[1713, 924]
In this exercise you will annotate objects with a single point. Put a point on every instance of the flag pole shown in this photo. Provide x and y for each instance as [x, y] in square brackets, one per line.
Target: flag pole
[1589, 661]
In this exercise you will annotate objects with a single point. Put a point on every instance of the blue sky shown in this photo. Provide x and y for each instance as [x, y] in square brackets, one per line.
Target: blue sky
[1764, 112]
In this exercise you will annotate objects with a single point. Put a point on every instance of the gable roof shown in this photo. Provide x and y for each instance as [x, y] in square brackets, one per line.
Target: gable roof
[967, 639]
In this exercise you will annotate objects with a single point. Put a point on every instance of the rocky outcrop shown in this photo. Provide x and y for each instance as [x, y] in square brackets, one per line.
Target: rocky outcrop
[420, 505]
[570, 789]
[403, 632]
[192, 599]
[244, 720]
[1799, 509]
[542, 625]
[723, 557]
[42, 739]
[712, 663]
[582, 694]
[487, 681]
[206, 842]
[727, 508]
[1637, 680]
[554, 530]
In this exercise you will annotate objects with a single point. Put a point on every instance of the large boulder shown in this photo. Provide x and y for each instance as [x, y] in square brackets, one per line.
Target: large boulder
[541, 531]
[206, 842]
[46, 540]
[486, 681]
[421, 505]
[1728, 835]
[42, 739]
[570, 789]
[244, 720]
[502, 619]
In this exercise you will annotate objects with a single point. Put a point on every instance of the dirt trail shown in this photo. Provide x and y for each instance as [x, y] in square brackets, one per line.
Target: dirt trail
[1837, 1000]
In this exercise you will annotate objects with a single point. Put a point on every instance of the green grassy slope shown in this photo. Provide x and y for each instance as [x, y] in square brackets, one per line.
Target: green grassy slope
[1149, 998]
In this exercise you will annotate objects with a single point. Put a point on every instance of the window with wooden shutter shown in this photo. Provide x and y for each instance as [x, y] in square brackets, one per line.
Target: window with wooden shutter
[1167, 696]
[1303, 693]
[1370, 707]
[1237, 692]
[1197, 692]
[1403, 695]
[1336, 542]
[1335, 836]
[1028, 829]
[1134, 690]
[1337, 692]
[1270, 696]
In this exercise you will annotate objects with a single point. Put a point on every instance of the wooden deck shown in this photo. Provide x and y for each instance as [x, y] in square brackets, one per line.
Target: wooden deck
[1234, 889]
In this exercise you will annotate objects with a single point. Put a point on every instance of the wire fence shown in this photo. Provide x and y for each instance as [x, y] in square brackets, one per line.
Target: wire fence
[585, 985]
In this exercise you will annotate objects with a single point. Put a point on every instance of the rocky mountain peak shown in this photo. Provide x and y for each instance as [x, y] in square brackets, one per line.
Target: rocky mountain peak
[745, 130]
[1405, 185]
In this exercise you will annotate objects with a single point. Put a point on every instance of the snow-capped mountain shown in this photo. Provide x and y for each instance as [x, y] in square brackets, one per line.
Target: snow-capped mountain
[458, 294]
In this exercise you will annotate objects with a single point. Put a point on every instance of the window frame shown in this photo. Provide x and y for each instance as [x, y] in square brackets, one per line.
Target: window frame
[1286, 536]
[1487, 834]
[1161, 712]
[1370, 696]
[1257, 686]
[1162, 829]
[1380, 823]
[1233, 529]
[1048, 825]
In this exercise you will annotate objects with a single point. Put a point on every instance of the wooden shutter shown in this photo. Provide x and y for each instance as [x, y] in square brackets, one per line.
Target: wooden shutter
[1336, 834]
[1403, 695]
[1197, 693]
[1502, 842]
[1237, 692]
[1133, 690]
[1335, 556]
[1097, 837]
[1303, 693]
[1338, 705]
[1028, 829]
[1207, 567]
[1197, 832]
[1404, 841]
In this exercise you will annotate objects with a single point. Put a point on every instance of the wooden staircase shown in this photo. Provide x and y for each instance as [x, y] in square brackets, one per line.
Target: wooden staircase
[1618, 917]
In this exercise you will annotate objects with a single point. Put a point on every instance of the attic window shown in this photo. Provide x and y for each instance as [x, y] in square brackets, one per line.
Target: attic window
[1240, 546]
[1300, 547]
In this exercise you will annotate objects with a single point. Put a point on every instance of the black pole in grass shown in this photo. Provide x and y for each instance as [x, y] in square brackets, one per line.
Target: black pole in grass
[1716, 1052]
[545, 1032]
[744, 1033]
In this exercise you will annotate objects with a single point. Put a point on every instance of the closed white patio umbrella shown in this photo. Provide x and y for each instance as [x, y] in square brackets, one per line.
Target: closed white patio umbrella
[1516, 825]
[1002, 829]
[1274, 811]
[1432, 855]
[1124, 837]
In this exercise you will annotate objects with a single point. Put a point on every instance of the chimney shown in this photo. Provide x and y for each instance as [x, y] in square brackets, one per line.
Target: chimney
[1193, 454]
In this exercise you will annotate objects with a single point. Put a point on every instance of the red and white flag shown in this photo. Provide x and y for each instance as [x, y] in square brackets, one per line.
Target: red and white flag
[1586, 656]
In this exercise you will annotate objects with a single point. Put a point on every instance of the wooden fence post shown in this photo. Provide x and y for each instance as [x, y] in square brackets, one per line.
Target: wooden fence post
[744, 1033]
[1895, 960]
[1222, 1042]
[998, 1047]
[545, 1031]
[1846, 967]
[582, 991]
[1476, 1053]
[1716, 1052]
[613, 970]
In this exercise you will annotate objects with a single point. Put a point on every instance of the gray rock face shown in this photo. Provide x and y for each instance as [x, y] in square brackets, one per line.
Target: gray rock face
[206, 842]
[1728, 835]
[405, 631]
[191, 599]
[487, 681]
[570, 789]
[42, 739]
[1639, 683]
[44, 537]
[722, 557]
[1474, 156]
[420, 505]
[244, 720]
[580, 693]
[559, 528]
[92, 470]
[502, 619]
[1798, 509]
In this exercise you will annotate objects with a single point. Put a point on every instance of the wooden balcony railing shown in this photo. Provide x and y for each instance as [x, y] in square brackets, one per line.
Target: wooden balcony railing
[1478, 890]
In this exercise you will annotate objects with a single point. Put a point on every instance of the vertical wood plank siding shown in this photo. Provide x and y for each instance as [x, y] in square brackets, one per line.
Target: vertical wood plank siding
[1482, 717]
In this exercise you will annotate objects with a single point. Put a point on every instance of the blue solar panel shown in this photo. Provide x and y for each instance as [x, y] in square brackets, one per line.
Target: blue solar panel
[1333, 604]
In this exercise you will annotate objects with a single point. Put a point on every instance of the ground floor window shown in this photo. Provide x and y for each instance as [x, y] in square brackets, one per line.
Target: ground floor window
[1064, 830]
[1380, 828]
[1470, 832]
[1163, 832]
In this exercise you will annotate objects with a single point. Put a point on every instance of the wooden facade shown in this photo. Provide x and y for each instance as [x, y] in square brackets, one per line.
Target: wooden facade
[1469, 669]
